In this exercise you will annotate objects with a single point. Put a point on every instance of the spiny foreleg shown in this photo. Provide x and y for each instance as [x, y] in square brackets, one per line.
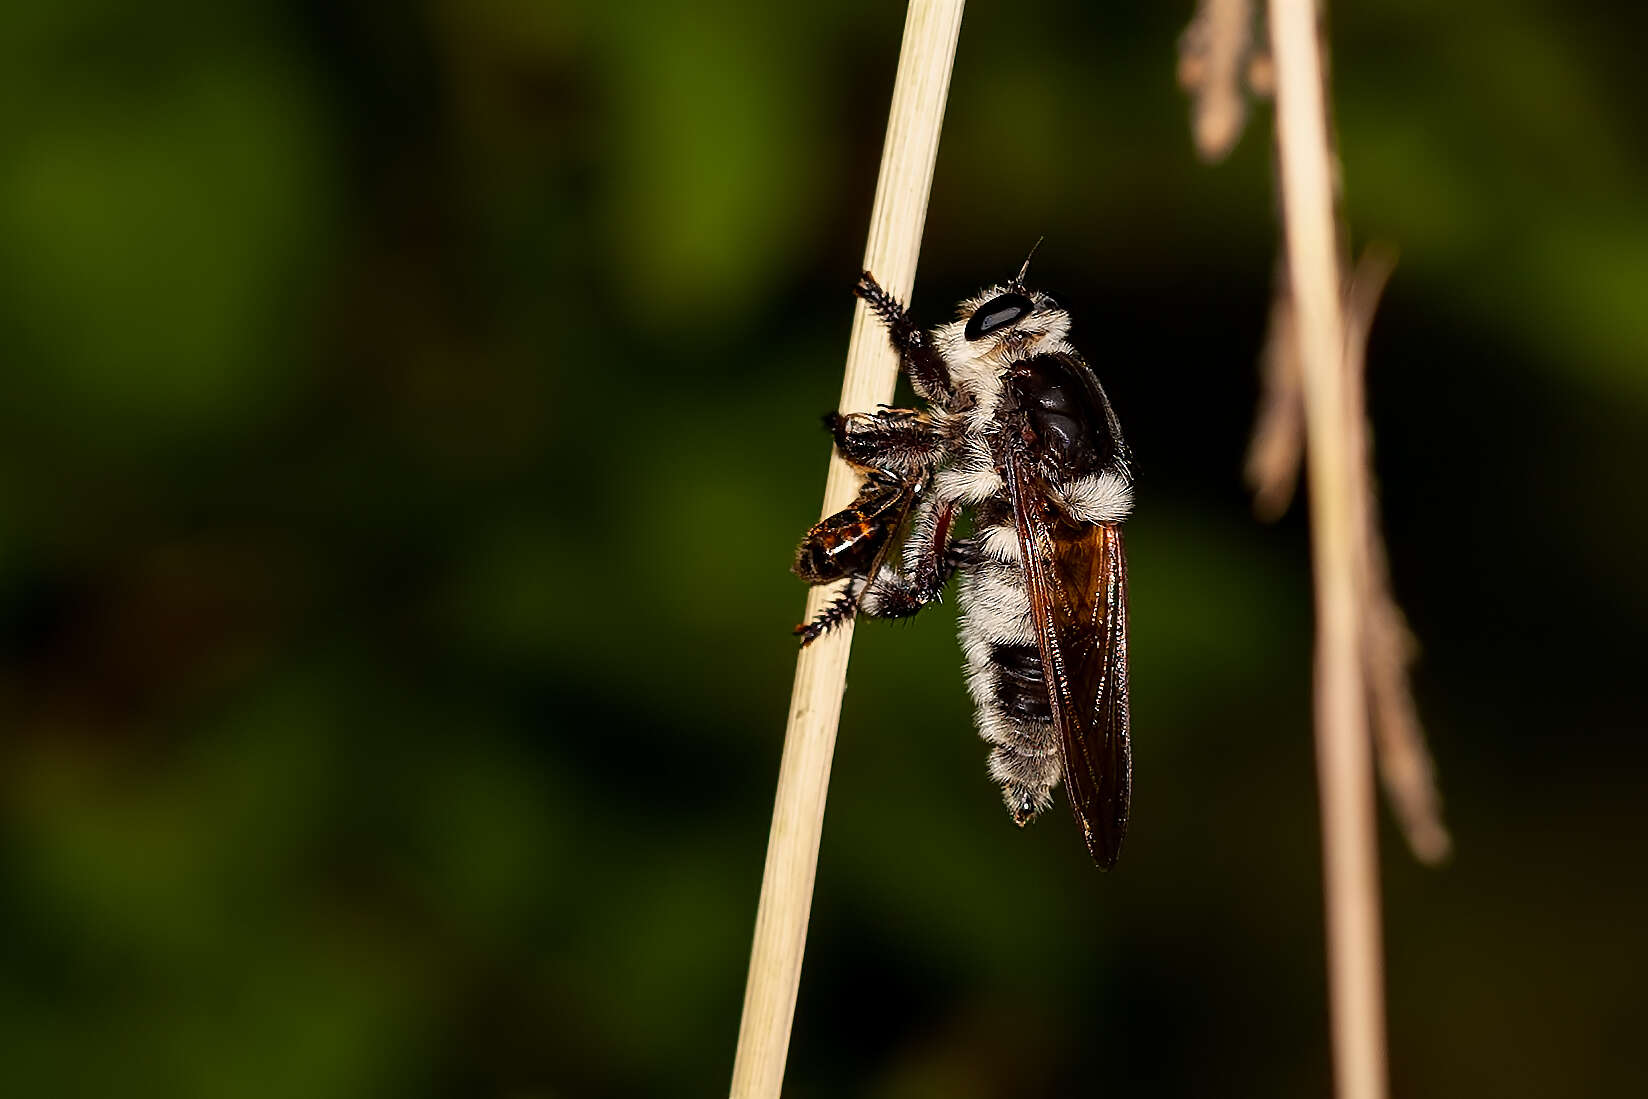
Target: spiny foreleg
[916, 354]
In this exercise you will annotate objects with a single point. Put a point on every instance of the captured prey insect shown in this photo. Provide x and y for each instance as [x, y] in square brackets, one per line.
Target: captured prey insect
[1020, 434]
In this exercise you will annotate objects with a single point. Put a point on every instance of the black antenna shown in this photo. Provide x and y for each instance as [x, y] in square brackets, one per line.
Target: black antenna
[1018, 280]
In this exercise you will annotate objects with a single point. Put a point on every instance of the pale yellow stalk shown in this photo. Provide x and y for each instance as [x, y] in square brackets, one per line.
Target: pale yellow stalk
[1343, 745]
[931, 29]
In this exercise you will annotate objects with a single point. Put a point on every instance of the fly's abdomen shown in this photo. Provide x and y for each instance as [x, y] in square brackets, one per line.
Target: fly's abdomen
[1019, 687]
[1005, 676]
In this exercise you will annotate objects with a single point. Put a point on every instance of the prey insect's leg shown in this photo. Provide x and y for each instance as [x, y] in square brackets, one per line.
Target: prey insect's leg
[916, 353]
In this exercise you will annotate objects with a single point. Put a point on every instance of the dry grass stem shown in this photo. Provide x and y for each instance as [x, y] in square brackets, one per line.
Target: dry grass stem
[1388, 647]
[1278, 444]
[1218, 67]
[1343, 745]
[930, 32]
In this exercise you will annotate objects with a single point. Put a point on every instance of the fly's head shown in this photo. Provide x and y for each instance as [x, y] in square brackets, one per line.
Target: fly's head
[1010, 319]
[1000, 326]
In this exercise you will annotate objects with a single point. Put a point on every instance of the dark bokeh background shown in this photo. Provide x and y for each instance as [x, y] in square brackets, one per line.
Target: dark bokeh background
[409, 413]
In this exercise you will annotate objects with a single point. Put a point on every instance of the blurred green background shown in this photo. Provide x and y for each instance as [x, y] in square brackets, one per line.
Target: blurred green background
[410, 411]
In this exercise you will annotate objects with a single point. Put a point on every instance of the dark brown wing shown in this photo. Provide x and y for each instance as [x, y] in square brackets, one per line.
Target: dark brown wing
[1077, 576]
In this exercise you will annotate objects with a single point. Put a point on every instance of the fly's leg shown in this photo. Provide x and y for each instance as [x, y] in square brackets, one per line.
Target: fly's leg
[932, 560]
[893, 595]
[921, 360]
[897, 441]
[897, 594]
[841, 608]
[897, 448]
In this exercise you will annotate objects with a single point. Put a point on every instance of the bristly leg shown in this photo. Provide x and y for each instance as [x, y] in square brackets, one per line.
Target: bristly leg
[930, 560]
[896, 596]
[894, 593]
[921, 360]
[841, 608]
[901, 441]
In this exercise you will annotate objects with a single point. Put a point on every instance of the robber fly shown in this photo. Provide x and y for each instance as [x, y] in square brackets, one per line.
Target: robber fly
[1019, 435]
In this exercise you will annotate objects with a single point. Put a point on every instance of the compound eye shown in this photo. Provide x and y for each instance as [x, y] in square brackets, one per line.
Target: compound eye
[1048, 304]
[998, 313]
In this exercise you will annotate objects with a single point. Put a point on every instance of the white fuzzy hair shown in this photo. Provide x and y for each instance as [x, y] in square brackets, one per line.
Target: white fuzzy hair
[971, 477]
[1102, 497]
[995, 606]
[977, 366]
[998, 543]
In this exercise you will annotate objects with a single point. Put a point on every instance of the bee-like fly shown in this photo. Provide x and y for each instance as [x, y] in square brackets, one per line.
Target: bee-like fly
[1020, 435]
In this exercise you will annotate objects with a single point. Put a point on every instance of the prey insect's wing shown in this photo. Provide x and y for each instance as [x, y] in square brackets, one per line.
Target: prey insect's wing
[1077, 579]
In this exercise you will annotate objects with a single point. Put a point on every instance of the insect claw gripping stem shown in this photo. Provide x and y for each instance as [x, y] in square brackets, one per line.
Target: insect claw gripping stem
[836, 424]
